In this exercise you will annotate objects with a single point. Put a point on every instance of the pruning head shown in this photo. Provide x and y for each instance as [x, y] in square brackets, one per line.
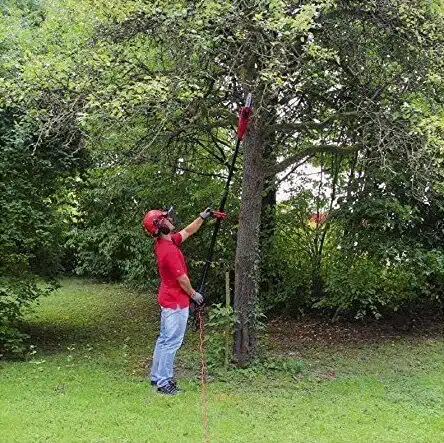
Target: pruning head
[244, 116]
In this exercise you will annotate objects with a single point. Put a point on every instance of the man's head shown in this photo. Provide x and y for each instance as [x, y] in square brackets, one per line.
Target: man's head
[157, 222]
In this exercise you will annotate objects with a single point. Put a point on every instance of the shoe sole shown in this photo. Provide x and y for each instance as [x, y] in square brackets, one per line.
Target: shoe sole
[168, 393]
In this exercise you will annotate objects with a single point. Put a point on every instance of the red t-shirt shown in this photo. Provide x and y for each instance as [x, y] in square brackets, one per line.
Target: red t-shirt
[171, 264]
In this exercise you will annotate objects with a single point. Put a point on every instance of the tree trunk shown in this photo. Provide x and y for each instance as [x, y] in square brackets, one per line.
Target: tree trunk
[267, 269]
[267, 230]
[268, 217]
[247, 250]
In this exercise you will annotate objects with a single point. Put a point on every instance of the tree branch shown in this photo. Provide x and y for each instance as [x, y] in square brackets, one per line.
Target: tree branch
[221, 160]
[216, 141]
[289, 161]
[204, 174]
[289, 127]
[305, 160]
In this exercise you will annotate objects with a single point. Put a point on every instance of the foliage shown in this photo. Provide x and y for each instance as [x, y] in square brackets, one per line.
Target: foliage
[36, 164]
[107, 238]
[271, 367]
[380, 257]
[219, 331]
[303, 237]
[364, 285]
[31, 226]
[16, 296]
[287, 282]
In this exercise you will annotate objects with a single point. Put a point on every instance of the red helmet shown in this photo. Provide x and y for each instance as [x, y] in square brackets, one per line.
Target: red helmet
[153, 220]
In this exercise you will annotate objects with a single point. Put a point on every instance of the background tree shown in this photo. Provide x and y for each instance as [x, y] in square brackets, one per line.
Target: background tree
[37, 162]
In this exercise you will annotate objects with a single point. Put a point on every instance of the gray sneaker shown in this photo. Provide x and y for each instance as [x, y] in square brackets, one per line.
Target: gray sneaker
[169, 389]
[177, 387]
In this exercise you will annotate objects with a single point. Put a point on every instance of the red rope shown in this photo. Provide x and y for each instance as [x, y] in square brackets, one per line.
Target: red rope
[203, 377]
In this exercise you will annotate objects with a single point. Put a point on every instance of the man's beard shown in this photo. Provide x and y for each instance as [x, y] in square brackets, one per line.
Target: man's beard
[166, 230]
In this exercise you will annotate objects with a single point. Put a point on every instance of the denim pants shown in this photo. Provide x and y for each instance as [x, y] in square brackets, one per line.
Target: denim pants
[173, 323]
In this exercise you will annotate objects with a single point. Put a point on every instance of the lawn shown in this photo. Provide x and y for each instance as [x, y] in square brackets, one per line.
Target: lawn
[85, 382]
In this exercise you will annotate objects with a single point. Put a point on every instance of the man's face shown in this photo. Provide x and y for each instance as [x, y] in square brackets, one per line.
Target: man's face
[168, 223]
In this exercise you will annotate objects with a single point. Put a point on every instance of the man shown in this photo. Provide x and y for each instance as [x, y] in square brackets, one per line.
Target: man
[174, 294]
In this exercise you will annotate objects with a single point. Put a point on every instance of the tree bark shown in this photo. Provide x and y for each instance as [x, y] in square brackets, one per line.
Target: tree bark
[247, 251]
[268, 228]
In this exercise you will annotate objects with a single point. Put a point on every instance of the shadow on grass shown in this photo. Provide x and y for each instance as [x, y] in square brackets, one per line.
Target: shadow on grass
[115, 329]
[52, 337]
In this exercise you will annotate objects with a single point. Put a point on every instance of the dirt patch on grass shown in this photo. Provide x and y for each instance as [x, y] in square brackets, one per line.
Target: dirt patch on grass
[288, 334]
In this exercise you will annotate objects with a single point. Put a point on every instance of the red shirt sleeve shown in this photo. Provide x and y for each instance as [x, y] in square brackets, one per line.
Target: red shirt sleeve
[177, 238]
[173, 265]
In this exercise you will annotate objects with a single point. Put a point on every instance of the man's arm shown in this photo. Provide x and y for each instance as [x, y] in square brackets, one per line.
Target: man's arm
[185, 284]
[193, 227]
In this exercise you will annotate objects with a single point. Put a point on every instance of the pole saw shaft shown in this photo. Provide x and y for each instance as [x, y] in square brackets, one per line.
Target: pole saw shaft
[241, 129]
[218, 221]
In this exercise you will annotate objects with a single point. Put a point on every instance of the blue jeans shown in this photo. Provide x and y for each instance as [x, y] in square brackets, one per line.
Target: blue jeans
[173, 323]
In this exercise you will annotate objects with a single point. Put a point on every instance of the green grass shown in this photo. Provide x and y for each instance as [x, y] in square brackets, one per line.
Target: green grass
[86, 383]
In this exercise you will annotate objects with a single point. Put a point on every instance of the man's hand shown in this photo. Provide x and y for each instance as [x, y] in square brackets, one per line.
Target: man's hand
[197, 298]
[193, 227]
[208, 212]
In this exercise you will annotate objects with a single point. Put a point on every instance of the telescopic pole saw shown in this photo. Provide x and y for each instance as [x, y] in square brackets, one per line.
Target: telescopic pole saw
[242, 126]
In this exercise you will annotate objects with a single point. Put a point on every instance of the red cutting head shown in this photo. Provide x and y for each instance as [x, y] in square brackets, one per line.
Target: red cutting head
[244, 116]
